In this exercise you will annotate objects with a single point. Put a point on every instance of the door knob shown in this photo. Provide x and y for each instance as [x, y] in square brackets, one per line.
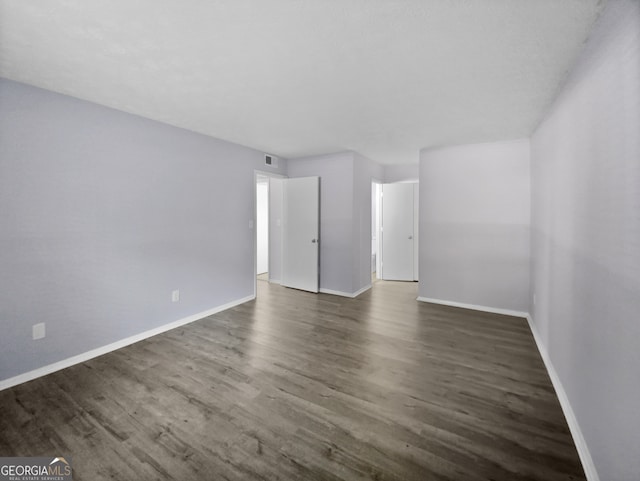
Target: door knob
[410, 237]
[313, 241]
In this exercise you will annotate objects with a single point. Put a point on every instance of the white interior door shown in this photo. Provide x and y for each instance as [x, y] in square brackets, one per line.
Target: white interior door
[300, 235]
[416, 230]
[378, 227]
[398, 232]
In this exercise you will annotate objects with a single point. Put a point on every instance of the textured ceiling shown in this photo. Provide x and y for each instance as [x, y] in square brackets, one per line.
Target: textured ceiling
[384, 78]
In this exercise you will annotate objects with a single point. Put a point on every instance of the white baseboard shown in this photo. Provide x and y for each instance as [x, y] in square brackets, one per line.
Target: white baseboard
[475, 307]
[85, 356]
[346, 294]
[364, 289]
[578, 439]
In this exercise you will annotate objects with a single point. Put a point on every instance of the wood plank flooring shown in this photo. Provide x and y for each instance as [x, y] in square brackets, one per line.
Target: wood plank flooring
[298, 386]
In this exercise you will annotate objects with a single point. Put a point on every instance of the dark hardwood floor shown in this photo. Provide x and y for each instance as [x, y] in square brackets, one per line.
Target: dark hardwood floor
[297, 386]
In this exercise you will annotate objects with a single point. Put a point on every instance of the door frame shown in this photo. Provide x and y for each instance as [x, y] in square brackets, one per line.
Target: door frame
[415, 228]
[259, 173]
[375, 224]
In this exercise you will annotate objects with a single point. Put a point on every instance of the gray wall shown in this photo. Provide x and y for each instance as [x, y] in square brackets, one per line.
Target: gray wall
[364, 171]
[345, 217]
[474, 225]
[102, 215]
[336, 215]
[586, 240]
[401, 173]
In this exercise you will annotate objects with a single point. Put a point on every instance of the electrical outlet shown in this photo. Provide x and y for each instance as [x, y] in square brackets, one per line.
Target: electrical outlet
[175, 296]
[38, 331]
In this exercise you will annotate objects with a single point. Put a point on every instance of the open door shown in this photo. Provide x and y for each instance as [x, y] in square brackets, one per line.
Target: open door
[398, 234]
[300, 233]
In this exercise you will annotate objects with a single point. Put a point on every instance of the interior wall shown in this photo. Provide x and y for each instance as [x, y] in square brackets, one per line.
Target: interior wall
[474, 211]
[336, 216]
[345, 217]
[586, 240]
[401, 173]
[364, 172]
[103, 215]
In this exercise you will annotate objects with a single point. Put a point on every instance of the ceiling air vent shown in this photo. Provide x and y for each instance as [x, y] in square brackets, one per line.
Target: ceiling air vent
[270, 160]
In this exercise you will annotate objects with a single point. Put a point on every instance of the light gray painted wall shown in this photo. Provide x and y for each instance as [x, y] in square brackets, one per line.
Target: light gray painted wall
[336, 215]
[102, 215]
[474, 224]
[401, 173]
[345, 217]
[364, 171]
[586, 240]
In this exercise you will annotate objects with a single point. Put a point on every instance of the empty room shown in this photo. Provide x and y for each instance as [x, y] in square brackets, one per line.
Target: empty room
[320, 240]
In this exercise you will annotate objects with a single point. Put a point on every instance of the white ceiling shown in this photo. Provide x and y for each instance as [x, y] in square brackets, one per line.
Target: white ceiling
[293, 78]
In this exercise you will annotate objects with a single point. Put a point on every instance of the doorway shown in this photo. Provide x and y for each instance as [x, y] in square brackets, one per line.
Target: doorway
[395, 224]
[262, 228]
[267, 222]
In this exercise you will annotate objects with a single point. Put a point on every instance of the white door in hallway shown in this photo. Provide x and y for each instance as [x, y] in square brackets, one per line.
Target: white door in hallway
[300, 233]
[398, 234]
